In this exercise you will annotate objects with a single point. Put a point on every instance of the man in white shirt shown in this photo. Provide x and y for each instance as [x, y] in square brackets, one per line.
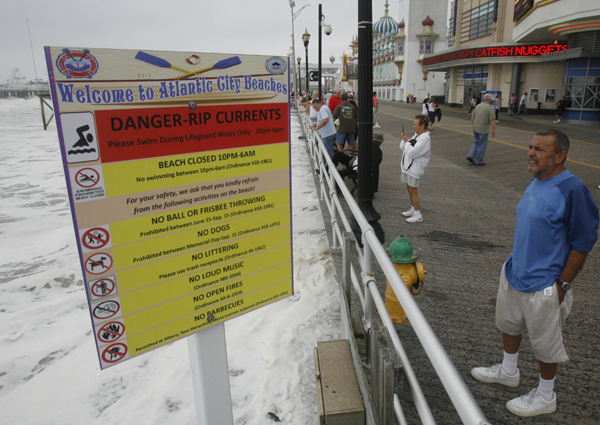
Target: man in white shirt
[522, 105]
[324, 125]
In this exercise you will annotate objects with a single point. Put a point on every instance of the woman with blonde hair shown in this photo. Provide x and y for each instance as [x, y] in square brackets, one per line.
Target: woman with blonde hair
[415, 158]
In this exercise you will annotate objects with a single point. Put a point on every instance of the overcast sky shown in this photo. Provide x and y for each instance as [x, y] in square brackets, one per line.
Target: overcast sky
[261, 27]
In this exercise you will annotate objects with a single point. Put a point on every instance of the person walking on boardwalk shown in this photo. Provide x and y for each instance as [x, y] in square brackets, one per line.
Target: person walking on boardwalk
[523, 105]
[561, 106]
[556, 228]
[415, 158]
[483, 120]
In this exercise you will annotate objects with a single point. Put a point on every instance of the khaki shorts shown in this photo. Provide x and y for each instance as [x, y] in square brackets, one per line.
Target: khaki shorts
[539, 313]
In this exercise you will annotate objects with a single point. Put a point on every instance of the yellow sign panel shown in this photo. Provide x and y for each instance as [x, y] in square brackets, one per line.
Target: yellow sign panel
[179, 185]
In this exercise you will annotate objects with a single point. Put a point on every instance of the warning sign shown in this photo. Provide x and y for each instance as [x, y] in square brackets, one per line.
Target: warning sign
[95, 238]
[180, 188]
[87, 177]
[106, 309]
[103, 287]
[98, 263]
[79, 132]
[87, 183]
[110, 332]
[114, 353]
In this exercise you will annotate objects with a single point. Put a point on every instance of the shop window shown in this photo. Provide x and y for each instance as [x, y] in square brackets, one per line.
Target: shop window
[477, 22]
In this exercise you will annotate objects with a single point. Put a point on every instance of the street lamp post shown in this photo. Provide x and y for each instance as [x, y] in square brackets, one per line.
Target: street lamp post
[294, 16]
[327, 31]
[299, 79]
[365, 122]
[306, 38]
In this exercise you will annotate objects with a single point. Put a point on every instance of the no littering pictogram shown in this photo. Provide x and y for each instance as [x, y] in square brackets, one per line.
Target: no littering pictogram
[87, 177]
[98, 263]
[115, 352]
[110, 332]
[106, 310]
[103, 287]
[95, 238]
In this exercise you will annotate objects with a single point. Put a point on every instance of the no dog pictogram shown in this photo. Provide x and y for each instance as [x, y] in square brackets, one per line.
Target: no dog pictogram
[106, 310]
[111, 332]
[103, 287]
[87, 177]
[115, 352]
[98, 263]
[95, 238]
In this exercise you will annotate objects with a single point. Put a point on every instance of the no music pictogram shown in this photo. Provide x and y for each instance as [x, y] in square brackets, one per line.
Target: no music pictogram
[87, 177]
[106, 309]
[111, 331]
[95, 238]
[98, 263]
[114, 353]
[103, 287]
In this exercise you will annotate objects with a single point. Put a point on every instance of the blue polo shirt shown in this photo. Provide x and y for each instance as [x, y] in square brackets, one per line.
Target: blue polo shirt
[554, 216]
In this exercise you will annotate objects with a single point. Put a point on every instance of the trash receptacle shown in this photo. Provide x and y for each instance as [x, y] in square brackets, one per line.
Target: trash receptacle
[539, 108]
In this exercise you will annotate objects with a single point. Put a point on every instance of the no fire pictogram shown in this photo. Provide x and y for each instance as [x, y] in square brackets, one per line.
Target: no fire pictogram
[106, 309]
[110, 332]
[98, 263]
[95, 238]
[87, 177]
[115, 352]
[103, 287]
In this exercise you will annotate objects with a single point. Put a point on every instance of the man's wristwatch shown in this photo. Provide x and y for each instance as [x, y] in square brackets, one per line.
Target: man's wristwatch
[564, 285]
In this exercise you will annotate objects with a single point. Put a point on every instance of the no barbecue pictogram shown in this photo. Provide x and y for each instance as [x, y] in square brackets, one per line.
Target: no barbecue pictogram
[103, 287]
[87, 177]
[115, 352]
[98, 263]
[106, 310]
[111, 332]
[95, 238]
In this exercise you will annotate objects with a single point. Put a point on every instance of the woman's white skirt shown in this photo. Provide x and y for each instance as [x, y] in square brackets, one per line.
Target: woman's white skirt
[409, 180]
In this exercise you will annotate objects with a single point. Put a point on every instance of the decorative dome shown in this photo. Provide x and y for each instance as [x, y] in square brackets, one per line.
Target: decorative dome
[427, 21]
[386, 24]
[401, 24]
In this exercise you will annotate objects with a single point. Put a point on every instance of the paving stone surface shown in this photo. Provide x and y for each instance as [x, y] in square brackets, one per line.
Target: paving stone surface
[467, 234]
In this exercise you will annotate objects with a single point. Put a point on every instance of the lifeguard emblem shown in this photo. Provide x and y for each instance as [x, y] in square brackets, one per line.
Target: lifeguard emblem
[77, 64]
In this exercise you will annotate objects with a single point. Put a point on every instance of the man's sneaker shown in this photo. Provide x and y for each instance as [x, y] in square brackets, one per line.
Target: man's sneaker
[557, 121]
[532, 404]
[415, 219]
[408, 213]
[471, 160]
[495, 375]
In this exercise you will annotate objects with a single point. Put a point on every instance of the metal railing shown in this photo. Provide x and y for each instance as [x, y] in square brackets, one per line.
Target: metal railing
[370, 299]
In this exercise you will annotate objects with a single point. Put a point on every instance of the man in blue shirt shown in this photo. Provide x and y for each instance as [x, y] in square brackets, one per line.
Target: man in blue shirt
[556, 228]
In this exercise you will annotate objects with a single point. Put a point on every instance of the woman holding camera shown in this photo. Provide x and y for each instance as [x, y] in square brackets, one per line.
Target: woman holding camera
[415, 158]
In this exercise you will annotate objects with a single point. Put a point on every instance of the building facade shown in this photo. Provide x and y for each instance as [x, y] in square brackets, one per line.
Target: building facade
[545, 48]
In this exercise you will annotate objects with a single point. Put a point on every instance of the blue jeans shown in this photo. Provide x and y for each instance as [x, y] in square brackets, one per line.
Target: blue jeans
[523, 109]
[477, 152]
[328, 142]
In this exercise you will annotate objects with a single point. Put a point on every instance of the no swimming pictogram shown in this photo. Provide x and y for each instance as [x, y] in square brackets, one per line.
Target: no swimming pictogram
[95, 238]
[110, 332]
[98, 263]
[87, 177]
[103, 287]
[115, 352]
[106, 310]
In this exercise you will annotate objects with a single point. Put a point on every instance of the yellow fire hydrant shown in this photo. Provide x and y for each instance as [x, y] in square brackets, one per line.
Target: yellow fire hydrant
[413, 273]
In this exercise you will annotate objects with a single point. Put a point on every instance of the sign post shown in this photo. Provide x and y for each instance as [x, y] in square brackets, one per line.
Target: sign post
[178, 171]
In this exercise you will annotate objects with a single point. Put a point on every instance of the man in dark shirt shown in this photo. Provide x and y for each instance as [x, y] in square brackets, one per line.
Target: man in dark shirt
[348, 115]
